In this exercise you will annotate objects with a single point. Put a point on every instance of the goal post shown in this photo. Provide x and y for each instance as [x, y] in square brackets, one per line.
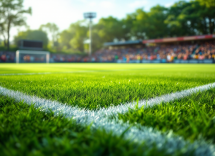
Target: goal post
[29, 56]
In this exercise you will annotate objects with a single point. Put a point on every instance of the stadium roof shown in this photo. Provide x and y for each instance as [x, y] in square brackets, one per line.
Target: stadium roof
[178, 39]
[123, 43]
[164, 40]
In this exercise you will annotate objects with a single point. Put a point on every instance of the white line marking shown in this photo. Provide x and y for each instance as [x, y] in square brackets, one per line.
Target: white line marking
[78, 71]
[123, 108]
[99, 119]
[45, 73]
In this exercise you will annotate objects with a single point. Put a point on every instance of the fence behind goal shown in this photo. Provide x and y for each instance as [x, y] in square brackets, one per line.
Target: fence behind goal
[28, 56]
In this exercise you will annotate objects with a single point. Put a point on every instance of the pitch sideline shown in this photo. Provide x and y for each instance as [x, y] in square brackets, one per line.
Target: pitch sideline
[99, 119]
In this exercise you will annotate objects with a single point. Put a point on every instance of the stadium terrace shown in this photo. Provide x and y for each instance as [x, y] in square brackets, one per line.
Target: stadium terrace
[191, 49]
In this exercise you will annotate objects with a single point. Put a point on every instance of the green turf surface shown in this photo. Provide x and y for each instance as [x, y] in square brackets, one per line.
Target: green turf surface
[25, 130]
[102, 88]
[40, 68]
[192, 117]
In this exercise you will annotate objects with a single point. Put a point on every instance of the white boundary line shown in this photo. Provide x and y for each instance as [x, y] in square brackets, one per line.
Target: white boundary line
[99, 119]
[77, 71]
[45, 73]
[66, 72]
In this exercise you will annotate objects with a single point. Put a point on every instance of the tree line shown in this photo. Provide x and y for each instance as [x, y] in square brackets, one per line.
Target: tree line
[183, 18]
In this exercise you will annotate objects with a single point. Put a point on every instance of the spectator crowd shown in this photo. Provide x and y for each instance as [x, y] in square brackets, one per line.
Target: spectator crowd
[163, 53]
[7, 57]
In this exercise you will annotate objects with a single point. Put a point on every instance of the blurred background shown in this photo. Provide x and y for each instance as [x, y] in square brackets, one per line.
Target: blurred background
[126, 31]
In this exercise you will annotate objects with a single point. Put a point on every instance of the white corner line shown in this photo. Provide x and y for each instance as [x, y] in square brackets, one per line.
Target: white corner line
[123, 108]
[99, 119]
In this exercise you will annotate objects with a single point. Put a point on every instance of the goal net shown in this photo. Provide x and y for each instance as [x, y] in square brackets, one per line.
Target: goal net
[28, 56]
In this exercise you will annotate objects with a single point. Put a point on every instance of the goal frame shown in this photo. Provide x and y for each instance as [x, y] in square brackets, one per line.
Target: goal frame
[18, 52]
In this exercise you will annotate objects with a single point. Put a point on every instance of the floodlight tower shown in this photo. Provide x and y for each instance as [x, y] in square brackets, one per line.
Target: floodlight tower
[90, 16]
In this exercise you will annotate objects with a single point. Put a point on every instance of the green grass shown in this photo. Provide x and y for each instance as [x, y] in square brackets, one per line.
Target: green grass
[191, 117]
[93, 90]
[25, 130]
[40, 68]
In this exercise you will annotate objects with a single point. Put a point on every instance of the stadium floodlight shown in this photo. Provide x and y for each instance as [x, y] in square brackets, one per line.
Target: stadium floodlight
[90, 16]
[28, 56]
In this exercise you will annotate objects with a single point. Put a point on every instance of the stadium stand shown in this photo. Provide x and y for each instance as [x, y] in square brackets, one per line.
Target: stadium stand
[7, 57]
[182, 53]
[188, 49]
[193, 49]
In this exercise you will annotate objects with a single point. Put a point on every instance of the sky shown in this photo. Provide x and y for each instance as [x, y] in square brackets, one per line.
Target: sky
[65, 12]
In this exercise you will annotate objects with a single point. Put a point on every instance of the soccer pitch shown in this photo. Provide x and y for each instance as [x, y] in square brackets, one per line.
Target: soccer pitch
[107, 109]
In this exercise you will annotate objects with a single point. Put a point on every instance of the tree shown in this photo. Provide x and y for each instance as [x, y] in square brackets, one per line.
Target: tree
[157, 27]
[51, 29]
[177, 20]
[150, 24]
[72, 39]
[53, 33]
[11, 15]
[207, 3]
[106, 30]
[32, 35]
[110, 28]
[138, 24]
[208, 14]
[190, 18]
[129, 25]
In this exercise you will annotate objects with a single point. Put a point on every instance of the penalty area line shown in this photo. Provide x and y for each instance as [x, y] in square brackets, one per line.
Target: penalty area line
[99, 119]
